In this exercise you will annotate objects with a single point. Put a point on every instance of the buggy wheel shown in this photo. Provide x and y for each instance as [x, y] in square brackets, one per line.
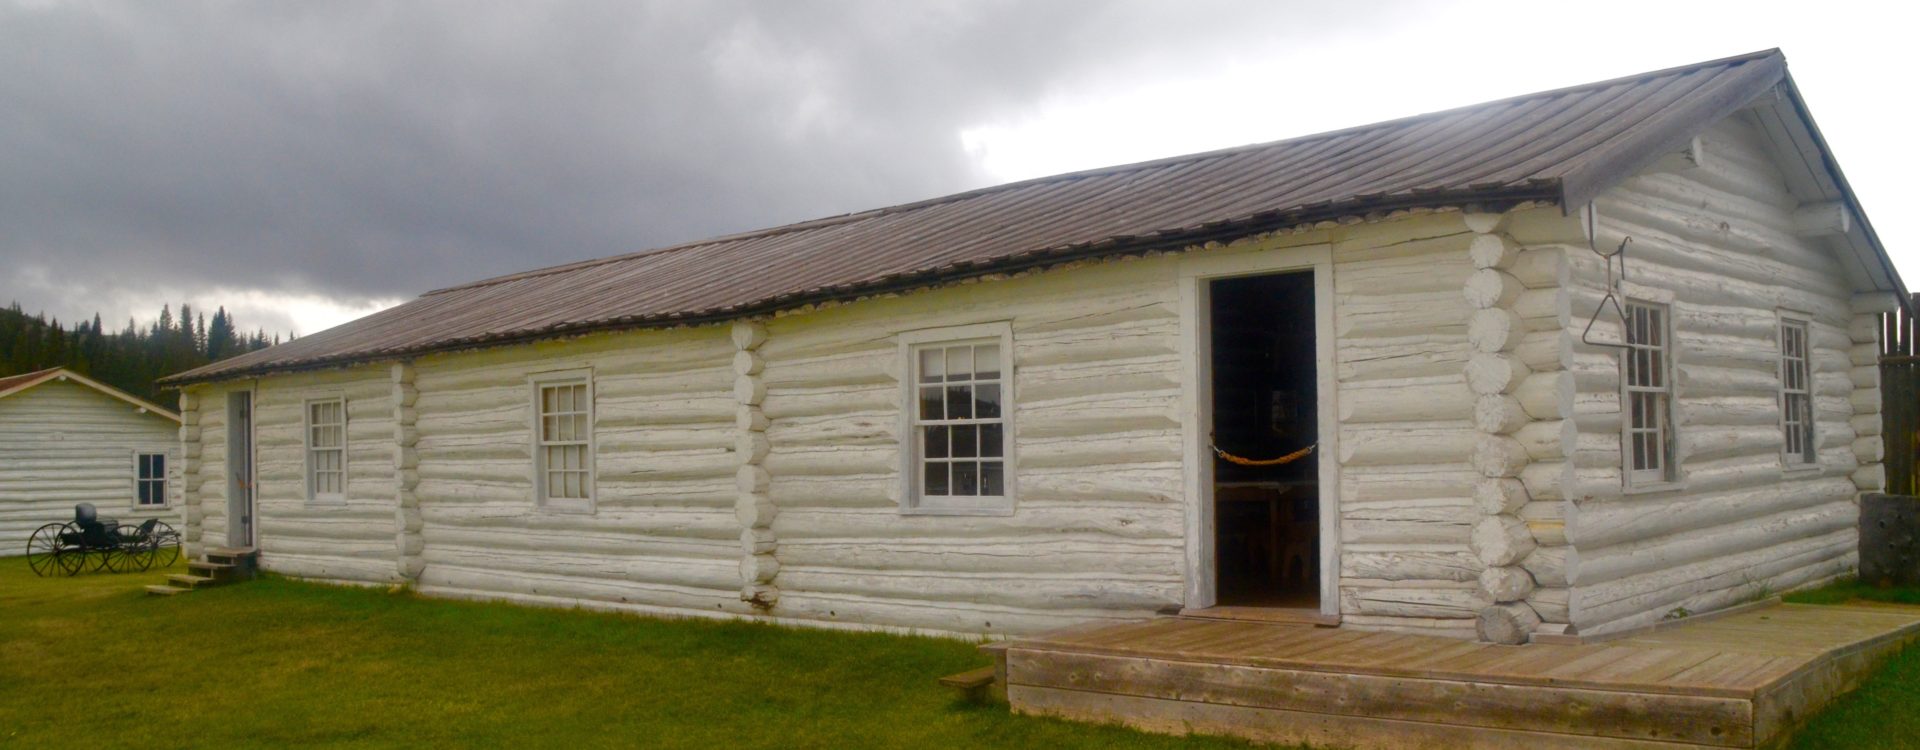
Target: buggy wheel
[121, 557]
[165, 543]
[72, 555]
[137, 550]
[43, 550]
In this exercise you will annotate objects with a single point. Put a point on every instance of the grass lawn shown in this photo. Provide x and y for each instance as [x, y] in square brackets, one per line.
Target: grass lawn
[91, 660]
[1885, 711]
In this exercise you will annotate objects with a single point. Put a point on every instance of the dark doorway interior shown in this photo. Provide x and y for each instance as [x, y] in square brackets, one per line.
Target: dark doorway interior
[1267, 518]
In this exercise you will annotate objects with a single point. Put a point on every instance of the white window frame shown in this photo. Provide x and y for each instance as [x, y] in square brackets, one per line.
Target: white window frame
[1667, 475]
[1806, 428]
[537, 385]
[314, 495]
[913, 499]
[139, 479]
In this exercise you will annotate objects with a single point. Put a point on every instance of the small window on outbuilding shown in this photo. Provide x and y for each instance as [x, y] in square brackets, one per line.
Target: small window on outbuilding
[150, 480]
[1648, 394]
[327, 450]
[960, 435]
[1796, 395]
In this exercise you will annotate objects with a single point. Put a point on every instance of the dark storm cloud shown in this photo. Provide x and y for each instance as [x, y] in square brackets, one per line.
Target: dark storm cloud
[358, 150]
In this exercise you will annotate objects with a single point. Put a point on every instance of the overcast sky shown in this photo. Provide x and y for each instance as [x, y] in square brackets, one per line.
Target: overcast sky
[306, 163]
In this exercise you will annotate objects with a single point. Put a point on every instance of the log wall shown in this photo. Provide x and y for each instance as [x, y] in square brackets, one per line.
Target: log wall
[351, 539]
[663, 531]
[1720, 243]
[62, 443]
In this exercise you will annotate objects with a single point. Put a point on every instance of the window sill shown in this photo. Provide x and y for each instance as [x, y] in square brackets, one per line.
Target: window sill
[139, 508]
[326, 502]
[1797, 469]
[564, 510]
[1006, 510]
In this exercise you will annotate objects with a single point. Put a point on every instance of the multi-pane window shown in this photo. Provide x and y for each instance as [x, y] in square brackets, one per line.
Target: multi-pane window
[1796, 394]
[326, 449]
[150, 479]
[1649, 394]
[959, 424]
[564, 450]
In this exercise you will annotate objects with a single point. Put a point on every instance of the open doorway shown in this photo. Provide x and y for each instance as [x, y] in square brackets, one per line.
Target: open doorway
[1265, 402]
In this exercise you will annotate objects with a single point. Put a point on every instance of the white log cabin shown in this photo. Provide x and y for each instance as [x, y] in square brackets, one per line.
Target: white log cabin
[997, 412]
[67, 439]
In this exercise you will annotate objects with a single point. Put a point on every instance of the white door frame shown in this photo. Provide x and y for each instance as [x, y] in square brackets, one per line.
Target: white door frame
[1196, 393]
[243, 493]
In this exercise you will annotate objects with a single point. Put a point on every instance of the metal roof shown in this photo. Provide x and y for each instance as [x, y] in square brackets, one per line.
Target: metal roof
[1562, 146]
[13, 384]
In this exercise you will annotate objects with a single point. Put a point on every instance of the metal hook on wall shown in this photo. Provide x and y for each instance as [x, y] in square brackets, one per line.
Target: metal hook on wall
[1613, 283]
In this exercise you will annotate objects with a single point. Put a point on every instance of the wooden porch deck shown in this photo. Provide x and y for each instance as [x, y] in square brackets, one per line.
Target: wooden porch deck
[1741, 681]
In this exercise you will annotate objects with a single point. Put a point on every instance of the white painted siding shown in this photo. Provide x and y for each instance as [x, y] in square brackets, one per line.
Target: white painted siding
[63, 443]
[1719, 240]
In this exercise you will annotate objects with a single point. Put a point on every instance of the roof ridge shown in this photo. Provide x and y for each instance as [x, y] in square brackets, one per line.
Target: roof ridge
[847, 218]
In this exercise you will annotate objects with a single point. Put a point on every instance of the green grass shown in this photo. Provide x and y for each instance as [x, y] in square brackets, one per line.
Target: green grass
[91, 660]
[1884, 713]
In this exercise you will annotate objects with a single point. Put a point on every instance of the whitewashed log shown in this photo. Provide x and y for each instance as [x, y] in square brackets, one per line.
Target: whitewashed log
[1551, 566]
[1493, 251]
[1548, 395]
[1498, 456]
[1494, 331]
[1508, 583]
[1495, 373]
[1497, 496]
[1822, 219]
[1484, 223]
[1870, 478]
[1491, 288]
[1510, 624]
[1410, 445]
[1499, 415]
[1547, 440]
[1501, 540]
[1445, 399]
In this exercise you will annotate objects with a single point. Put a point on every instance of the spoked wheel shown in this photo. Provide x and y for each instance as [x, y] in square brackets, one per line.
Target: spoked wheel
[124, 555]
[43, 550]
[136, 550]
[165, 543]
[73, 555]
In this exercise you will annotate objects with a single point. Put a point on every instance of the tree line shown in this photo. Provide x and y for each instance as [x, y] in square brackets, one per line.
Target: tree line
[130, 359]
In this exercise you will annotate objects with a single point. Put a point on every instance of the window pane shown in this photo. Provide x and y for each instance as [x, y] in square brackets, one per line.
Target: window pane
[931, 405]
[966, 479]
[959, 362]
[935, 439]
[146, 493]
[159, 465]
[966, 441]
[986, 361]
[959, 402]
[992, 443]
[935, 475]
[932, 365]
[986, 401]
[992, 478]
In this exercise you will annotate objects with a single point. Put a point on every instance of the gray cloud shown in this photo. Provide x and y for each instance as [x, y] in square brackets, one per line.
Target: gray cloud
[372, 150]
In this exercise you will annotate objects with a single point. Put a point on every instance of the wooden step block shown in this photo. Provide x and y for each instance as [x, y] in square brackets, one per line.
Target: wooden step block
[189, 581]
[165, 591]
[973, 684]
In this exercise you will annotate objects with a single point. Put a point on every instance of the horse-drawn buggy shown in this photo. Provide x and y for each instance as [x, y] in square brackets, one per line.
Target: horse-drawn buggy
[90, 542]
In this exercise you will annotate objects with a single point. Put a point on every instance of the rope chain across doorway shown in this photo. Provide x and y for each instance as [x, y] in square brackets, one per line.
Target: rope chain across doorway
[1244, 461]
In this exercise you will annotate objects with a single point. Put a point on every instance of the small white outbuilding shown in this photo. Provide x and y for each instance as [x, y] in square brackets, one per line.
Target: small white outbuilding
[67, 439]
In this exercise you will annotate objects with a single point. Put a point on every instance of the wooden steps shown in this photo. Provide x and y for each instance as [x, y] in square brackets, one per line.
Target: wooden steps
[223, 565]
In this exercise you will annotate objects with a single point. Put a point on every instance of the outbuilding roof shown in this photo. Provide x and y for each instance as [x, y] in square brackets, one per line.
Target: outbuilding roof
[1562, 146]
[13, 384]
